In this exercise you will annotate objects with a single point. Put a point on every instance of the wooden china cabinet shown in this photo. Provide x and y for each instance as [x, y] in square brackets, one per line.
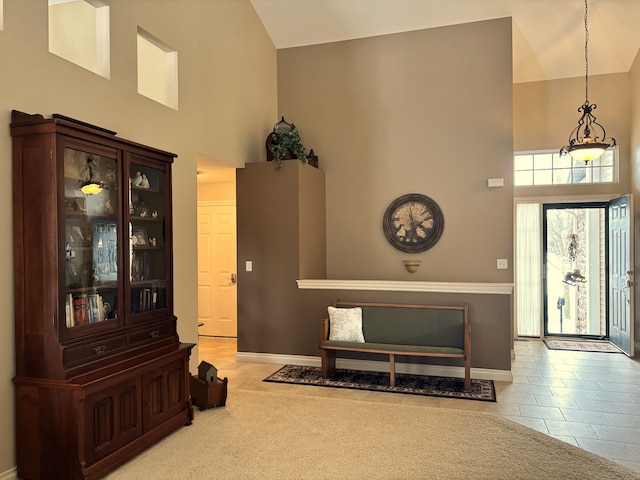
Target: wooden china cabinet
[100, 371]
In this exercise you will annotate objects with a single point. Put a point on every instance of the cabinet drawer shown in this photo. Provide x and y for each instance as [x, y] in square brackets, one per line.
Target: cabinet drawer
[93, 351]
[151, 333]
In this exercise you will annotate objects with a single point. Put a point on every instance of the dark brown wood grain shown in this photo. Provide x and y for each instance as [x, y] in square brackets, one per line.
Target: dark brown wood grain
[91, 396]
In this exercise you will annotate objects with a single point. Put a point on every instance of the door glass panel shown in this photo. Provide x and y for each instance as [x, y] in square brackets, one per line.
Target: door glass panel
[147, 251]
[575, 266]
[91, 239]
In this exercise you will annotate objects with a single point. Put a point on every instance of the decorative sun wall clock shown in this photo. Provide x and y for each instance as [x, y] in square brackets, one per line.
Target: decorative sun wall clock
[413, 223]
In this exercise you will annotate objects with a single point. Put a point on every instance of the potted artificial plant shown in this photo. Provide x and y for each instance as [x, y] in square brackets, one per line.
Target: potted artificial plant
[284, 144]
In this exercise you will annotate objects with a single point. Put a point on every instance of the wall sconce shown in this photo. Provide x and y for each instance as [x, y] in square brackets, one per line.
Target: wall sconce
[411, 265]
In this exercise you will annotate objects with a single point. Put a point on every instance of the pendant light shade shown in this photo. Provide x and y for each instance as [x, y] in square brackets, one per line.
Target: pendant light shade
[588, 141]
[91, 186]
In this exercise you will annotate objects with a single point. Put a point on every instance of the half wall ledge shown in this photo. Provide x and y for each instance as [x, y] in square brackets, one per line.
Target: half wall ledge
[404, 286]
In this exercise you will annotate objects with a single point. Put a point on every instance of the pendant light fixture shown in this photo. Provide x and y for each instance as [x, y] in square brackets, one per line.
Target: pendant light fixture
[588, 141]
[91, 186]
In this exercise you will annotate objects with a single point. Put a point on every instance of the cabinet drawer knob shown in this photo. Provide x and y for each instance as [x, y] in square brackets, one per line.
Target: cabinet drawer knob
[154, 333]
[100, 349]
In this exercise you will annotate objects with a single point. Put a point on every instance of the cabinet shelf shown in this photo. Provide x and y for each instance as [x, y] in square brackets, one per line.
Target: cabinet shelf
[85, 214]
[146, 282]
[142, 189]
[96, 288]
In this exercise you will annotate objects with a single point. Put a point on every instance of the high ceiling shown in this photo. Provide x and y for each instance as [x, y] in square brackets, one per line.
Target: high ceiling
[548, 35]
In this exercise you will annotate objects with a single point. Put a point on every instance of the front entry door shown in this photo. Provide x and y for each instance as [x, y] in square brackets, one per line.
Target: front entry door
[575, 269]
[621, 284]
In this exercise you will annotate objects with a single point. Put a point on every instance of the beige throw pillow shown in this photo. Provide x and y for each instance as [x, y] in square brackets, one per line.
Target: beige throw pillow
[345, 324]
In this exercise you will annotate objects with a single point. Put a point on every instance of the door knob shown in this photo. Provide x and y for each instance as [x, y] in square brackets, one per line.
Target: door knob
[627, 286]
[234, 278]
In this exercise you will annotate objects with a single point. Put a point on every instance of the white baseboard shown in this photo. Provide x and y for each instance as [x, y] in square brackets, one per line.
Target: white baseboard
[11, 474]
[375, 366]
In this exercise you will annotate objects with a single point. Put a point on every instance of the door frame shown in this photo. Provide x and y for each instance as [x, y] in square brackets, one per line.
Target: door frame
[224, 203]
[565, 199]
[568, 205]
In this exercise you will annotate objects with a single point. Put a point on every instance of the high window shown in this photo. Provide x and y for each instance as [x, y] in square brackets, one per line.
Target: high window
[157, 70]
[79, 33]
[549, 168]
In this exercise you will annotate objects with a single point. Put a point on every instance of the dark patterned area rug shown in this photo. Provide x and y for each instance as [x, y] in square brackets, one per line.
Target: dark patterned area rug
[581, 346]
[377, 381]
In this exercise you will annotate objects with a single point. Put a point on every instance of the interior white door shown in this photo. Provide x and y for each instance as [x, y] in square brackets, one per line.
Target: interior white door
[217, 293]
[621, 284]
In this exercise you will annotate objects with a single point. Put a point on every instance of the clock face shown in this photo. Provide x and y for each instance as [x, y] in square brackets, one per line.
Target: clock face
[413, 223]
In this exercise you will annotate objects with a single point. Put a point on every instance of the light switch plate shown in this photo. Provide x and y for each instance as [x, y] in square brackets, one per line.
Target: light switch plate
[248, 266]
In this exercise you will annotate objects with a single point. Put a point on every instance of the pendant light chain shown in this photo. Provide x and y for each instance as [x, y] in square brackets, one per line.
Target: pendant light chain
[589, 140]
[586, 52]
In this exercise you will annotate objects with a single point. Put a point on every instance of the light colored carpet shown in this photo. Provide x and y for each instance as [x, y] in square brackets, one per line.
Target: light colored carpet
[264, 435]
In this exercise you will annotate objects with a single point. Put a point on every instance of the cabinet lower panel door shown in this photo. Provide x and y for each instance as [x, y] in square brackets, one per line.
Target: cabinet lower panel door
[164, 393]
[114, 418]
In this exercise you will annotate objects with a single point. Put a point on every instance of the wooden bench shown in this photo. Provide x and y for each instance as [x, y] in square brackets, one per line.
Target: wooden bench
[441, 331]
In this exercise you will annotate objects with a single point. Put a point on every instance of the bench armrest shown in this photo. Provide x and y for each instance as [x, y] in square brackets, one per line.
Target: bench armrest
[324, 329]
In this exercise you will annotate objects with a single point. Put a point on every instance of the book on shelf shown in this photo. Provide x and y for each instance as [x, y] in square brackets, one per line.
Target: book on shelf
[69, 310]
[84, 309]
[148, 297]
[95, 306]
[80, 311]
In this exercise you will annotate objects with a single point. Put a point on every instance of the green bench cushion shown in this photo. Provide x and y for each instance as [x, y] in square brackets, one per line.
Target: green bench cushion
[409, 349]
[414, 327]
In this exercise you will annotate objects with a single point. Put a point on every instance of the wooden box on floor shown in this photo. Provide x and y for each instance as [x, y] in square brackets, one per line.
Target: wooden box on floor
[208, 394]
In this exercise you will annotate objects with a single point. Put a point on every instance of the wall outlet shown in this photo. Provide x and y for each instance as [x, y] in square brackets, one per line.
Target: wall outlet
[502, 264]
[248, 266]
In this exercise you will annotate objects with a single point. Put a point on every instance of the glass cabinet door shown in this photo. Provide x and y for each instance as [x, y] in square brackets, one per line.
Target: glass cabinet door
[90, 239]
[147, 245]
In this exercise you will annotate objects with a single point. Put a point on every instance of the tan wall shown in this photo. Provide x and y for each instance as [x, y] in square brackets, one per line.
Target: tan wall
[217, 191]
[545, 113]
[426, 112]
[312, 219]
[269, 236]
[227, 80]
[634, 84]
[276, 227]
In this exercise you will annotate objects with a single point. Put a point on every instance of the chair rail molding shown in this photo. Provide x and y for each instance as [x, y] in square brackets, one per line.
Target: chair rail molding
[408, 286]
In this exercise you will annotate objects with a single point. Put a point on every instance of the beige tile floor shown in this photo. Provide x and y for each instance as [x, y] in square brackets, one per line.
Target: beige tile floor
[591, 400]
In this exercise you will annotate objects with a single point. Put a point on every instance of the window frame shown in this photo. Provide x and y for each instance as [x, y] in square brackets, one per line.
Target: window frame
[556, 165]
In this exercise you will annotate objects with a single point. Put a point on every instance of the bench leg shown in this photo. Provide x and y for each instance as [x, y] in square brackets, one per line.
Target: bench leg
[392, 370]
[467, 376]
[327, 363]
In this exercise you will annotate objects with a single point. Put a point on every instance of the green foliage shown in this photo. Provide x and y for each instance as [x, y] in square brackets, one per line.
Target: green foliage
[288, 142]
